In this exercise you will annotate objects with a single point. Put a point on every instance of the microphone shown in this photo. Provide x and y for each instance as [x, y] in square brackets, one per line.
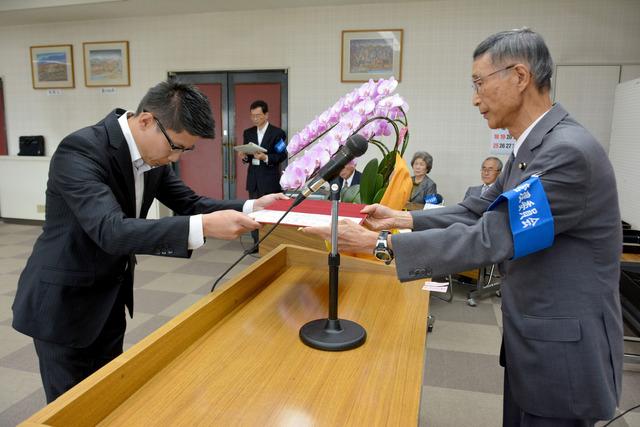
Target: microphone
[355, 146]
[434, 199]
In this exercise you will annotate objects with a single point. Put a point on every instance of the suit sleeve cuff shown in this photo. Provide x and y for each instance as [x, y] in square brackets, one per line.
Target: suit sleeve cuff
[196, 235]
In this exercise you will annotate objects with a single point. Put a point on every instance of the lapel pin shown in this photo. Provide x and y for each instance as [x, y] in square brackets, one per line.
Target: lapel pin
[522, 165]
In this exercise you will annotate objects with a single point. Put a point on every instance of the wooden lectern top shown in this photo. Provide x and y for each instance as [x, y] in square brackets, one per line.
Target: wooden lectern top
[235, 358]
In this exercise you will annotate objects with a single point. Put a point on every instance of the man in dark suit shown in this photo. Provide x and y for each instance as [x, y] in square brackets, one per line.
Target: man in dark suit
[347, 177]
[72, 294]
[491, 168]
[263, 176]
[562, 324]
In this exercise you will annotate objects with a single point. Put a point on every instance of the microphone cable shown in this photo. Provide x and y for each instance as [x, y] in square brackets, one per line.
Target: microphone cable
[253, 247]
[620, 415]
[355, 146]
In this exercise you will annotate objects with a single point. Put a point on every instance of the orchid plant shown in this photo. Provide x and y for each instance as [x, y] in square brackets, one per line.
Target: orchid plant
[373, 111]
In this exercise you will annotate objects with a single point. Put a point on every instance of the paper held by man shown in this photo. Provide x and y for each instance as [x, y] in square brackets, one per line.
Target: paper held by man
[250, 148]
[309, 213]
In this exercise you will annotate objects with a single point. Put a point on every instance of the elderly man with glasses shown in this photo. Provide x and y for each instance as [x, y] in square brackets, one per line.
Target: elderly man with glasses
[72, 294]
[561, 315]
[491, 168]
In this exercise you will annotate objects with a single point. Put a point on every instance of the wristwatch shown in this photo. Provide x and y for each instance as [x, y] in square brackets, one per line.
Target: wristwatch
[382, 250]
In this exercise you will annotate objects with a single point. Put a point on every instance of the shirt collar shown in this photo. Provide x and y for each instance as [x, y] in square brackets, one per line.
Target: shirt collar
[139, 166]
[526, 133]
[264, 128]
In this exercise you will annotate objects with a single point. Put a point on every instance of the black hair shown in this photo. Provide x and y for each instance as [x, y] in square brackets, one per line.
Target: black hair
[180, 107]
[259, 104]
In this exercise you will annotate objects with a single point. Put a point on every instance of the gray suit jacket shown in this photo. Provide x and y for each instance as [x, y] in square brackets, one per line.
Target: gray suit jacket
[560, 306]
[476, 190]
[426, 187]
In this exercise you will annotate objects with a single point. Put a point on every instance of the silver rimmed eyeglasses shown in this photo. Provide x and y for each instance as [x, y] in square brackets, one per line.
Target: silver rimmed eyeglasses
[476, 84]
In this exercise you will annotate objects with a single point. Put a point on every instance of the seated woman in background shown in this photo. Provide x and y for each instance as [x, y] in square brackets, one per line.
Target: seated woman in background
[422, 184]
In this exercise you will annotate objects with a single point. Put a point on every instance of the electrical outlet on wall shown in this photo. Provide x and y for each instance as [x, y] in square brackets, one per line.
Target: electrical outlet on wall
[40, 208]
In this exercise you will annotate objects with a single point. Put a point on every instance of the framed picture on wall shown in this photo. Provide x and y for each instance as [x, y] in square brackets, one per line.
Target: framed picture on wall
[371, 54]
[106, 63]
[52, 66]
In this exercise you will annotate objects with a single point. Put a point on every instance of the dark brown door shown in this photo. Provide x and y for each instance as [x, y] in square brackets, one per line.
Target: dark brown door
[214, 169]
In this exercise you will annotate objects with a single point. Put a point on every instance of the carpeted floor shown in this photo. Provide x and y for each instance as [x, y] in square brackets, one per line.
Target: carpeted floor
[462, 383]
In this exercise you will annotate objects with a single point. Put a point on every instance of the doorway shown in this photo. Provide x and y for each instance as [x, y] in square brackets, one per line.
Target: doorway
[213, 169]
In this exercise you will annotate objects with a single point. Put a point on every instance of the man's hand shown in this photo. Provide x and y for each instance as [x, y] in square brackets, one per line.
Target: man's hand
[351, 236]
[260, 156]
[381, 217]
[265, 201]
[227, 224]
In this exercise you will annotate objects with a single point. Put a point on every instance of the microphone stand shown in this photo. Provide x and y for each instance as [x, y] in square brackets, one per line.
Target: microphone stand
[333, 334]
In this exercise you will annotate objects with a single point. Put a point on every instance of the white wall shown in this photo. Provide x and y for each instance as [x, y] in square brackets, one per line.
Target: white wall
[625, 150]
[439, 37]
[23, 181]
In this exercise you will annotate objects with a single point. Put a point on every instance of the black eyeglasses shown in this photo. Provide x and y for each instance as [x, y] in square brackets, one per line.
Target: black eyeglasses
[477, 83]
[174, 147]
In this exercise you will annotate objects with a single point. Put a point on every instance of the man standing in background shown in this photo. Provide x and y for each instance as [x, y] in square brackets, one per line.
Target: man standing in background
[263, 176]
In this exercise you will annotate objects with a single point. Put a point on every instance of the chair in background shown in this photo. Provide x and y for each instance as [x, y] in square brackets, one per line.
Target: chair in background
[485, 279]
[447, 297]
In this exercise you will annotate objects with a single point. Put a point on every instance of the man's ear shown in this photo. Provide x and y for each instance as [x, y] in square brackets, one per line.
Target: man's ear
[524, 76]
[145, 120]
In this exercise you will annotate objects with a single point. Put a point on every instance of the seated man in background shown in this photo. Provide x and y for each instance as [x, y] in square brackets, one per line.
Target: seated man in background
[491, 168]
[347, 177]
[422, 162]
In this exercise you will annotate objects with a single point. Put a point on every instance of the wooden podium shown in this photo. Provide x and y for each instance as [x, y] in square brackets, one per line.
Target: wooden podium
[235, 358]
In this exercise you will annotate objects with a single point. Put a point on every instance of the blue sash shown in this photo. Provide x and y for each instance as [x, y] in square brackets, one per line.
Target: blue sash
[530, 217]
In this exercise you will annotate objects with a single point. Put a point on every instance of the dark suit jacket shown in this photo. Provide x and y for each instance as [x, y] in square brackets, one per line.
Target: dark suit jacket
[560, 306]
[85, 255]
[265, 178]
[338, 180]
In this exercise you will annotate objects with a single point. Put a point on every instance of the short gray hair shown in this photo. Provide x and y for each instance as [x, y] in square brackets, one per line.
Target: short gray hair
[495, 159]
[428, 159]
[522, 45]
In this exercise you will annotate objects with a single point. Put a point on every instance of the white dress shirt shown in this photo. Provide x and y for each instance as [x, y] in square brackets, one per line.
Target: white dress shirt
[526, 133]
[261, 133]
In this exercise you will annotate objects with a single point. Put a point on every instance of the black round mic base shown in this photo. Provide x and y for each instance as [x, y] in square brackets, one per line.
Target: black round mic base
[333, 335]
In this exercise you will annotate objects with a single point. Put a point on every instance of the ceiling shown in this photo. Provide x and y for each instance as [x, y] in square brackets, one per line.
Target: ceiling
[27, 12]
